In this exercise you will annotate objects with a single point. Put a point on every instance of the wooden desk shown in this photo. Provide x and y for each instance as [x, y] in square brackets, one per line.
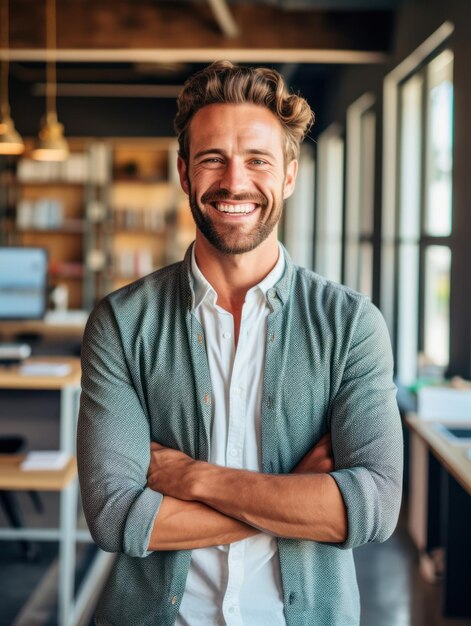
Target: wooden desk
[64, 480]
[50, 327]
[12, 477]
[448, 512]
[68, 386]
[453, 457]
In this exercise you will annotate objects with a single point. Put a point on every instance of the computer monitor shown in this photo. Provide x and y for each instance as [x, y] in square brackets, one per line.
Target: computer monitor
[23, 283]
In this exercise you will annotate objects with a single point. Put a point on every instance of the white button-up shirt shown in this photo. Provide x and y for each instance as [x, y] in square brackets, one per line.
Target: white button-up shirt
[237, 584]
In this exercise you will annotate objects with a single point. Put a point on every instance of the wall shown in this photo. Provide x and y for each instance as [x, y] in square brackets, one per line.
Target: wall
[415, 21]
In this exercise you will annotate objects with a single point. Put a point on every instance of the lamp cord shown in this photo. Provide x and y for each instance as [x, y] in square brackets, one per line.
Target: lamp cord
[4, 105]
[51, 73]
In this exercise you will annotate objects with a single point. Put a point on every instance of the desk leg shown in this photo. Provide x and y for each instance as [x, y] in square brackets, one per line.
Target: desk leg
[68, 418]
[457, 597]
[68, 513]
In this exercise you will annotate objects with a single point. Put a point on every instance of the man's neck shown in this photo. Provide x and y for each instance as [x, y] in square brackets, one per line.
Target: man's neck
[232, 275]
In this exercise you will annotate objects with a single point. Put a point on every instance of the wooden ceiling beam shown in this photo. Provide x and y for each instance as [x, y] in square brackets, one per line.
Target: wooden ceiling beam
[178, 31]
[201, 55]
[224, 18]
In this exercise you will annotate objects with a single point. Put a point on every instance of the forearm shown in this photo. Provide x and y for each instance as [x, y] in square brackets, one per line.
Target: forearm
[186, 525]
[302, 506]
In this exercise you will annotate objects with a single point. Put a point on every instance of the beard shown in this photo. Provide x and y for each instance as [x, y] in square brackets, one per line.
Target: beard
[228, 238]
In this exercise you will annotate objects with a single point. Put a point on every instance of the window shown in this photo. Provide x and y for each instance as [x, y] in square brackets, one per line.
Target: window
[328, 249]
[395, 93]
[298, 222]
[438, 210]
[424, 217]
[359, 223]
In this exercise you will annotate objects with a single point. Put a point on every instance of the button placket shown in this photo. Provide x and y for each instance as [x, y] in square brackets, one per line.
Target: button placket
[230, 606]
[237, 401]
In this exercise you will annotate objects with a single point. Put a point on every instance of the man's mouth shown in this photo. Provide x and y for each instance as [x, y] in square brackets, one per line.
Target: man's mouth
[243, 208]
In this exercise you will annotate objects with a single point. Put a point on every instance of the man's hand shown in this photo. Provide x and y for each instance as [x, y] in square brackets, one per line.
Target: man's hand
[319, 460]
[170, 472]
[180, 524]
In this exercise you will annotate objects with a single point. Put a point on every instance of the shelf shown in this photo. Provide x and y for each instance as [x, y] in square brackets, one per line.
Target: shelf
[139, 231]
[51, 183]
[78, 277]
[118, 277]
[139, 181]
[67, 228]
[66, 270]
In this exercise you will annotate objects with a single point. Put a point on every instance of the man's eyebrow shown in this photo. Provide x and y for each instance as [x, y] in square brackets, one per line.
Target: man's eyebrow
[256, 151]
[266, 153]
[208, 151]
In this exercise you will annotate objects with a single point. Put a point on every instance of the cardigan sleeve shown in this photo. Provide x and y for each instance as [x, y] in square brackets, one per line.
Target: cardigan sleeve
[367, 433]
[113, 443]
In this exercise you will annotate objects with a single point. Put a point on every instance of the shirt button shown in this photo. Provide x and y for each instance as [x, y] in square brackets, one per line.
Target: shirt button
[174, 600]
[226, 335]
[233, 452]
[231, 609]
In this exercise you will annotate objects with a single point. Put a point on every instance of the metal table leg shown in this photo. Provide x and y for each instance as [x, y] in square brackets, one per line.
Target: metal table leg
[68, 524]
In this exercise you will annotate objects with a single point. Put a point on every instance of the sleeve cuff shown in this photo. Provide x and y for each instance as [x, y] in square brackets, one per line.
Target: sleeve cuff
[360, 495]
[140, 521]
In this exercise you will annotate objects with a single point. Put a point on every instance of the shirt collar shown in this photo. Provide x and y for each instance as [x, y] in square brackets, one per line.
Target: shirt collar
[203, 289]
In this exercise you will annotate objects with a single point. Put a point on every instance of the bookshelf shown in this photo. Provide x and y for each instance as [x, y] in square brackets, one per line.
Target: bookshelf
[49, 208]
[145, 202]
[111, 213]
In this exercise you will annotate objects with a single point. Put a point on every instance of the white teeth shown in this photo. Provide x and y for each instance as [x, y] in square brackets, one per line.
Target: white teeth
[234, 208]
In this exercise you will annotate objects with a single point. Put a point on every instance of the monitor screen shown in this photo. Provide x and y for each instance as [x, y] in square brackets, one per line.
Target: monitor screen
[23, 281]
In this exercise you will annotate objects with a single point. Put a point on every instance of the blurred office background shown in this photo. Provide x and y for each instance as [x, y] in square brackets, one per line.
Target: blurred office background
[89, 201]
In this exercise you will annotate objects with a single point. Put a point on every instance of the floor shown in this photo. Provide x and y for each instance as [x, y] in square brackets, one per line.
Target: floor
[392, 590]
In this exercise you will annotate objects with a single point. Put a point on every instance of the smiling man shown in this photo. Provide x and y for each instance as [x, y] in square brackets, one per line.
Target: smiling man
[238, 432]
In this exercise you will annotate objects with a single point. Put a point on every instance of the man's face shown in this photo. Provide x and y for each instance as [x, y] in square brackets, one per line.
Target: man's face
[236, 178]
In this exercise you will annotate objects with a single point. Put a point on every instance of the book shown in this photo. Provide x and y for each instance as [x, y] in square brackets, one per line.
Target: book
[45, 460]
[45, 369]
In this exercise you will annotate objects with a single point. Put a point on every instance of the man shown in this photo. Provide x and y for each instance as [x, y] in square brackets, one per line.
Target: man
[210, 387]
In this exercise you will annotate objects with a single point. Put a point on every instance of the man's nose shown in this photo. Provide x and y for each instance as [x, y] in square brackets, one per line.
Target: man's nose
[234, 177]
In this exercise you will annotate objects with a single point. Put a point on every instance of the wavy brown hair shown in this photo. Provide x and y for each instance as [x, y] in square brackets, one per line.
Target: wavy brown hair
[225, 83]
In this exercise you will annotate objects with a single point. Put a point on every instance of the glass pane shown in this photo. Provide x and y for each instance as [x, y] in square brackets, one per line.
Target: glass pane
[365, 278]
[352, 260]
[359, 203]
[439, 145]
[410, 152]
[388, 256]
[298, 231]
[408, 314]
[437, 305]
[329, 224]
[367, 165]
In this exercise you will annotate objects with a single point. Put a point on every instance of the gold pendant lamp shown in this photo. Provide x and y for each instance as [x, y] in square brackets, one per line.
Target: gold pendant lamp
[10, 140]
[51, 145]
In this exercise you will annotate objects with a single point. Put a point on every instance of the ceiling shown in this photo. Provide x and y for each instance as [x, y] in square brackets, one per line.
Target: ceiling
[124, 50]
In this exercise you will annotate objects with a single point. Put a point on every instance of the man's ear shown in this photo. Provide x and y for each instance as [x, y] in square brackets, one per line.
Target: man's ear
[182, 173]
[290, 178]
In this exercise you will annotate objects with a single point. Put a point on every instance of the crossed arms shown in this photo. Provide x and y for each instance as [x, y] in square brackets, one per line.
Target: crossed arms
[206, 505]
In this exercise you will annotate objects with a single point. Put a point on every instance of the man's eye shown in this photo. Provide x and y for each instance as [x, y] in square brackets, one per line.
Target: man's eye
[212, 160]
[258, 162]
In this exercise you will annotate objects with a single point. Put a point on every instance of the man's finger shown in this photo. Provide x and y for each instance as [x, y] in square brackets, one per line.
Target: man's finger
[156, 446]
[323, 440]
